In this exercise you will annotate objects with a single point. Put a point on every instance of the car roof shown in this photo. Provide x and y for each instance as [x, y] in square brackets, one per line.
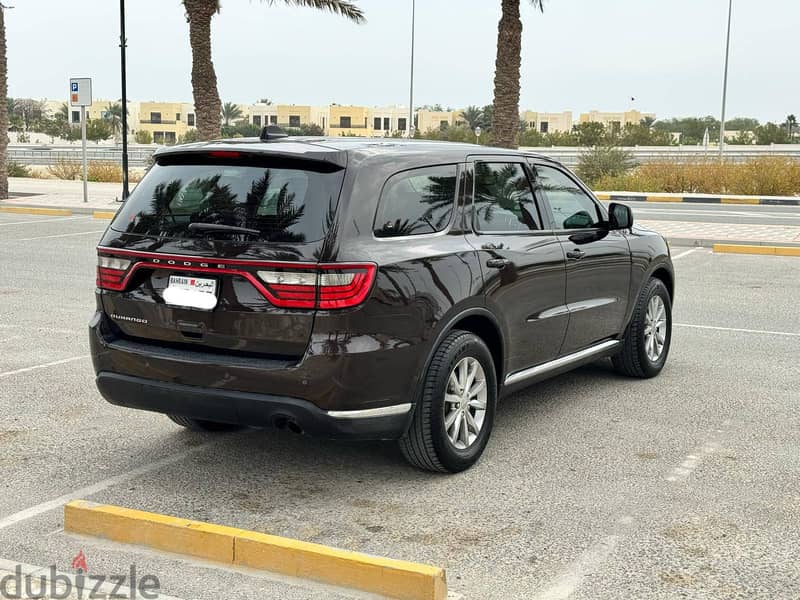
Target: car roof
[338, 149]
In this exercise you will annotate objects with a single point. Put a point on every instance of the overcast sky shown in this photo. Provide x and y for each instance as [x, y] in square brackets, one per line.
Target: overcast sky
[578, 55]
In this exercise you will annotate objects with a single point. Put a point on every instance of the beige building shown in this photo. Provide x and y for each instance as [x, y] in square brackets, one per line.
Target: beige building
[548, 122]
[349, 121]
[616, 120]
[388, 121]
[167, 122]
[433, 120]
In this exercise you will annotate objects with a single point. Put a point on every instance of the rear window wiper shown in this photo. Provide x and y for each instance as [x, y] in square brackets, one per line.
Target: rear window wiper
[225, 228]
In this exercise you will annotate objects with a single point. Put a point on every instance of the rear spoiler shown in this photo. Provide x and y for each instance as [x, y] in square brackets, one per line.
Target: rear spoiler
[255, 148]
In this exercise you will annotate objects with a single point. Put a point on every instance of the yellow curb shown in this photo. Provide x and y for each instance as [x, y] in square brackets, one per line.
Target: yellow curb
[31, 210]
[744, 249]
[103, 214]
[393, 578]
[724, 200]
[603, 196]
[664, 198]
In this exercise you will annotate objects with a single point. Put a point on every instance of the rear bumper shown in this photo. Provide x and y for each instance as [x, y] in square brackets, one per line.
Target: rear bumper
[339, 396]
[257, 410]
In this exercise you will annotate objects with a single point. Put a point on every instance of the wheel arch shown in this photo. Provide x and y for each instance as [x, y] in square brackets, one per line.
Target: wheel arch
[666, 276]
[481, 322]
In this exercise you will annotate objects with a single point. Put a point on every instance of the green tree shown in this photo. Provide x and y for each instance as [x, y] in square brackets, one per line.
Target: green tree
[590, 133]
[473, 117]
[230, 112]
[791, 124]
[143, 137]
[742, 124]
[532, 138]
[692, 129]
[98, 130]
[604, 161]
[505, 120]
[204, 78]
[3, 107]
[641, 135]
[488, 116]
[742, 138]
[770, 133]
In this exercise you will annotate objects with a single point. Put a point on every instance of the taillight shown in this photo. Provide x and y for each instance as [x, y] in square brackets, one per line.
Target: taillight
[331, 286]
[344, 287]
[111, 272]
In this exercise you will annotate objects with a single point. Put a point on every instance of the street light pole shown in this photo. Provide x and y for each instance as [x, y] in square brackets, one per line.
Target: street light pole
[725, 84]
[123, 42]
[410, 125]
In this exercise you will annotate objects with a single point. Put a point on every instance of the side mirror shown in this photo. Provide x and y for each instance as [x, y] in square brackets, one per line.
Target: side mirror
[620, 216]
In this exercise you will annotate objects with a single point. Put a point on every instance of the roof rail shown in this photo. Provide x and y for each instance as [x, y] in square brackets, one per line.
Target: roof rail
[272, 132]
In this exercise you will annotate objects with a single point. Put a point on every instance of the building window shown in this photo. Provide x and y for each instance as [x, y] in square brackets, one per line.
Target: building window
[273, 119]
[155, 117]
[190, 119]
[76, 116]
[376, 123]
[170, 137]
[401, 124]
[344, 122]
[177, 116]
[158, 137]
[257, 120]
[294, 120]
[444, 124]
[544, 127]
[387, 124]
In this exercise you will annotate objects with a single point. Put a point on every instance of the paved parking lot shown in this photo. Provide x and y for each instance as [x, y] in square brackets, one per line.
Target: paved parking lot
[593, 485]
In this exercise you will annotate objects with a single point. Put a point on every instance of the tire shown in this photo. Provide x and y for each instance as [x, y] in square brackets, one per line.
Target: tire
[427, 444]
[634, 359]
[200, 425]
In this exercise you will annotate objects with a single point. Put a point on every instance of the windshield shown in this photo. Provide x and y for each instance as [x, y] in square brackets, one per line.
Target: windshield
[281, 204]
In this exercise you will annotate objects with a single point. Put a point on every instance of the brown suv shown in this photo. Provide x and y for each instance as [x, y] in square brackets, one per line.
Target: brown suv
[373, 289]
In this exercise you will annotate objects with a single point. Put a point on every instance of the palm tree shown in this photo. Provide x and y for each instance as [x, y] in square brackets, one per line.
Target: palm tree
[113, 115]
[204, 79]
[63, 112]
[3, 107]
[230, 112]
[505, 124]
[791, 121]
[473, 116]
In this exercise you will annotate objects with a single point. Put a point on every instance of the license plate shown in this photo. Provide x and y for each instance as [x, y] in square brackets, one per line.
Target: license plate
[191, 292]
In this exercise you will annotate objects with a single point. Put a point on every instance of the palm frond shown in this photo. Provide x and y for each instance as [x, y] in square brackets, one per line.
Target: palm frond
[538, 4]
[339, 7]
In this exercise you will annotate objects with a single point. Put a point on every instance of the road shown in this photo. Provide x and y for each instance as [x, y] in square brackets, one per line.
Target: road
[593, 485]
[717, 213]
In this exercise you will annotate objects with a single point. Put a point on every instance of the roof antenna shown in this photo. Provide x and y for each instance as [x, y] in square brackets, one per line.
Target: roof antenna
[272, 132]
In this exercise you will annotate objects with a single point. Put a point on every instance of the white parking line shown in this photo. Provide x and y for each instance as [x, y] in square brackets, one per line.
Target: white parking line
[738, 330]
[90, 490]
[61, 235]
[46, 220]
[43, 366]
[685, 253]
[691, 462]
[564, 585]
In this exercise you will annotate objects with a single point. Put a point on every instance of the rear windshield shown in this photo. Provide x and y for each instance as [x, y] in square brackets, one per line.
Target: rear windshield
[279, 202]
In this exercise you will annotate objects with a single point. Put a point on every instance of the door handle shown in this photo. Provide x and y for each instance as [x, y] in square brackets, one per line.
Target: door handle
[575, 254]
[498, 263]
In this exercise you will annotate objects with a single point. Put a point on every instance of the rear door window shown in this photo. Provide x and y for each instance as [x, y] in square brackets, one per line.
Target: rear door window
[416, 202]
[503, 199]
[280, 202]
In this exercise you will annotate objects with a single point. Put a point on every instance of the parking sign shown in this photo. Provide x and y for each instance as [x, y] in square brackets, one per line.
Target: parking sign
[80, 91]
